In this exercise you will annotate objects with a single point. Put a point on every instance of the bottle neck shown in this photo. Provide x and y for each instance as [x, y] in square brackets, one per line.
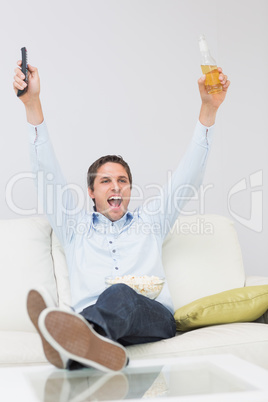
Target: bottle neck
[207, 59]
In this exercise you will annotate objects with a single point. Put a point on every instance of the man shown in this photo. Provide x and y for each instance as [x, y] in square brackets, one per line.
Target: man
[113, 241]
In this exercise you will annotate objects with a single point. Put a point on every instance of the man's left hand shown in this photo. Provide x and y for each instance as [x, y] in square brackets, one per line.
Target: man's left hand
[211, 102]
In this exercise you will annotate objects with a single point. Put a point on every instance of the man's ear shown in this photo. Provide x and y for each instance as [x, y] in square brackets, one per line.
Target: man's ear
[90, 192]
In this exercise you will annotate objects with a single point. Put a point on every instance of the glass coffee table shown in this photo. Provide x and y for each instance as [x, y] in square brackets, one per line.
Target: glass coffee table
[191, 379]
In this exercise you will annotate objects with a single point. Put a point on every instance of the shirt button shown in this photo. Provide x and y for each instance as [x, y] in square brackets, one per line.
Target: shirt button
[116, 268]
[114, 251]
[110, 242]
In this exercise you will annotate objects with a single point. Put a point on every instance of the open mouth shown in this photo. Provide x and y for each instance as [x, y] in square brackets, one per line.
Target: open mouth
[115, 201]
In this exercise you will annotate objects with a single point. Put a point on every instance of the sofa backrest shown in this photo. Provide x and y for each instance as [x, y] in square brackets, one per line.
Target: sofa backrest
[201, 257]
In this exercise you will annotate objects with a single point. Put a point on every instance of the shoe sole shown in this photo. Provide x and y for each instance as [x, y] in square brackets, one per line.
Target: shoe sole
[73, 334]
[35, 305]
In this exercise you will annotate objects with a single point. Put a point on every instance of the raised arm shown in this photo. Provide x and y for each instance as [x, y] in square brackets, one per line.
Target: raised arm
[53, 192]
[187, 178]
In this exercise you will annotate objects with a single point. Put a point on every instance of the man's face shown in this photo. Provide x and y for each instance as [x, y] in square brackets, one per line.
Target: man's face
[111, 191]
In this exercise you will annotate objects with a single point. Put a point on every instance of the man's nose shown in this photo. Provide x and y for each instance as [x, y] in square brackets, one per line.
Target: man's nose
[115, 186]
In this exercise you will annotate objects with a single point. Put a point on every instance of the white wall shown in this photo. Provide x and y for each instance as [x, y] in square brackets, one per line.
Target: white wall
[120, 77]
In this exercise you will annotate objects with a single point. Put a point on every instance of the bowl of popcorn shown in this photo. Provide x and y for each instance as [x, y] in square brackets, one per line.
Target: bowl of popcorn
[149, 286]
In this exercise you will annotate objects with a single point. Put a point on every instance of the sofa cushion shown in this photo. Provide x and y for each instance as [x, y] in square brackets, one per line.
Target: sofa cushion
[20, 348]
[236, 305]
[25, 262]
[244, 339]
[201, 257]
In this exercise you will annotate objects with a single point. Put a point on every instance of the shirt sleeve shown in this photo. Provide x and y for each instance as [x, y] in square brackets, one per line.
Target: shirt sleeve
[183, 184]
[54, 195]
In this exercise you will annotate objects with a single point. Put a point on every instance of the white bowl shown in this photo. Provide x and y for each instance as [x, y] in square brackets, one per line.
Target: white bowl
[149, 286]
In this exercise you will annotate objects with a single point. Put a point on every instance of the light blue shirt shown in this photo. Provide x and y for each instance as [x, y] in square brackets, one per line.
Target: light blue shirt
[96, 247]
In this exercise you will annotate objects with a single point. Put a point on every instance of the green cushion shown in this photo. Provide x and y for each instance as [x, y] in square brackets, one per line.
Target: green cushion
[236, 305]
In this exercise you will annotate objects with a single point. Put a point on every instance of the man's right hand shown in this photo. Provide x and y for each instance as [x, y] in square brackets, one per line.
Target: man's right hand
[30, 98]
[33, 91]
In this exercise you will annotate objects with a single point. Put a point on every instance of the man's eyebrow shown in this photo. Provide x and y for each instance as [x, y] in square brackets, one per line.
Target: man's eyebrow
[108, 177]
[100, 177]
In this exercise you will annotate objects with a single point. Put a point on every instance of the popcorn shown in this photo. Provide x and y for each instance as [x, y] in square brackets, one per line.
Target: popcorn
[149, 286]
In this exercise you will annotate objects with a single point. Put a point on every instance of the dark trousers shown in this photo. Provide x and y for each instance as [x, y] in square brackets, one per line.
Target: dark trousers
[129, 318]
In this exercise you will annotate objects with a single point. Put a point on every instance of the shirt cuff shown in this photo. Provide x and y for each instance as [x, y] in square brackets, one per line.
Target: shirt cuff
[203, 135]
[38, 134]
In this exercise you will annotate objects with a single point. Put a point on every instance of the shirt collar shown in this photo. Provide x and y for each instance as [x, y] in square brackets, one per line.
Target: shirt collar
[102, 224]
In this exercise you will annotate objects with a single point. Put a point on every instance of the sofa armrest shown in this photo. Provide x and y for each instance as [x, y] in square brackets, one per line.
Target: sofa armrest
[255, 281]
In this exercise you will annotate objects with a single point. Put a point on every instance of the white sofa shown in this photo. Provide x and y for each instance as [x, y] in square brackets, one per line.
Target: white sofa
[201, 256]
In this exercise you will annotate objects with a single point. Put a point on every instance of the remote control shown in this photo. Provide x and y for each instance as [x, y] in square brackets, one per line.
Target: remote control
[24, 70]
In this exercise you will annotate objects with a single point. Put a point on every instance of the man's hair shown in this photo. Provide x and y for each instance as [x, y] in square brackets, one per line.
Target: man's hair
[93, 169]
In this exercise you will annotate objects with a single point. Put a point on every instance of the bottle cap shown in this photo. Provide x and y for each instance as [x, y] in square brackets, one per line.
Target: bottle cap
[203, 46]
